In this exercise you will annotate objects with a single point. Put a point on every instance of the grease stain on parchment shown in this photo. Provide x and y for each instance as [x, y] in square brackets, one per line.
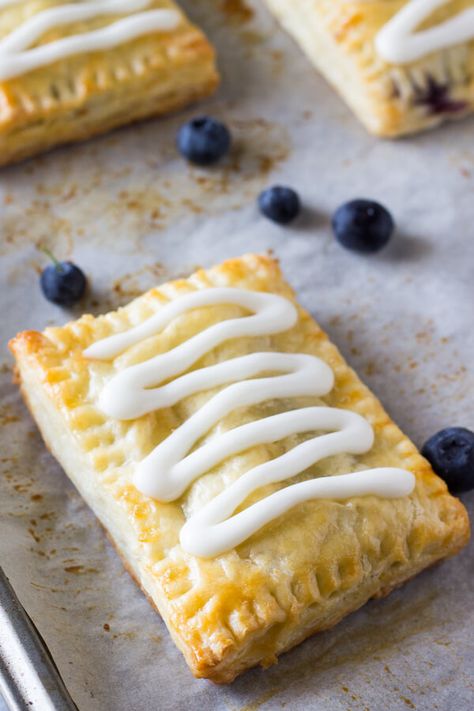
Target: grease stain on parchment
[428, 366]
[66, 203]
[236, 10]
[403, 620]
[134, 284]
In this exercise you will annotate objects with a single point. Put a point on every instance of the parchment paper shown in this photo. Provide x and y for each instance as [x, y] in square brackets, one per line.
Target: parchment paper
[132, 213]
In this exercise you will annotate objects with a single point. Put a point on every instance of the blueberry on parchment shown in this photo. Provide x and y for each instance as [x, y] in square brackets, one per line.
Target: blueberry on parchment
[280, 204]
[204, 140]
[363, 225]
[451, 454]
[63, 283]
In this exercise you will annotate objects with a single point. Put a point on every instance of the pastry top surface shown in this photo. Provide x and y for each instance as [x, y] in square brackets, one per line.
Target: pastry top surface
[64, 85]
[318, 552]
[356, 24]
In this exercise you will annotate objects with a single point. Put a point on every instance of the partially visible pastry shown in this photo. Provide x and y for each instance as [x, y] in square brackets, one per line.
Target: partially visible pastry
[401, 65]
[69, 71]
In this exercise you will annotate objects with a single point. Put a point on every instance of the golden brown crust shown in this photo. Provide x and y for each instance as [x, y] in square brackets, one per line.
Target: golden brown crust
[391, 100]
[88, 94]
[298, 575]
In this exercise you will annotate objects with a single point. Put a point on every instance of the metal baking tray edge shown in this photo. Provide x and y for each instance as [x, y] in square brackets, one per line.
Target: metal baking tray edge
[29, 677]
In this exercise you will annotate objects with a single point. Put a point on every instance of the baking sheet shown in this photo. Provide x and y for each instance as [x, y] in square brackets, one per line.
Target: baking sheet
[28, 674]
[132, 214]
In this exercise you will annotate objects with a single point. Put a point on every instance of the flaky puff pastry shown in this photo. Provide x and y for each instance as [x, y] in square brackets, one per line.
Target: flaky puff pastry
[299, 574]
[390, 99]
[86, 94]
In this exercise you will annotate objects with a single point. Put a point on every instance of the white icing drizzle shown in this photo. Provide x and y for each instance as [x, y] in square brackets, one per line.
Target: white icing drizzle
[399, 42]
[174, 464]
[18, 55]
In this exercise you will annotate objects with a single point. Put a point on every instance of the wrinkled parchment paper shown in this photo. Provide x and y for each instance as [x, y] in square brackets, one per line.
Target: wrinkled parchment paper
[132, 214]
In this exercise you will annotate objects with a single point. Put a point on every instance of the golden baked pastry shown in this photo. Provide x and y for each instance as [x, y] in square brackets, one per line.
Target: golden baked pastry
[69, 71]
[242, 583]
[401, 65]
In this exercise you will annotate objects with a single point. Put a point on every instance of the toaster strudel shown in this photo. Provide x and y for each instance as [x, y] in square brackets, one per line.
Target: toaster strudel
[254, 487]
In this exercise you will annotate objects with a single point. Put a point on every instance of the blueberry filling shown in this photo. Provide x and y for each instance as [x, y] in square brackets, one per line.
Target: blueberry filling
[435, 96]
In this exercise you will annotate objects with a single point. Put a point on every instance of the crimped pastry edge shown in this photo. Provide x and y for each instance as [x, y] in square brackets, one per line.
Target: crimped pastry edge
[238, 657]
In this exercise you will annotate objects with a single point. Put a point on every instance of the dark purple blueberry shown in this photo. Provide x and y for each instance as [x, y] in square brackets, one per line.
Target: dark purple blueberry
[363, 225]
[63, 283]
[280, 204]
[451, 454]
[204, 140]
